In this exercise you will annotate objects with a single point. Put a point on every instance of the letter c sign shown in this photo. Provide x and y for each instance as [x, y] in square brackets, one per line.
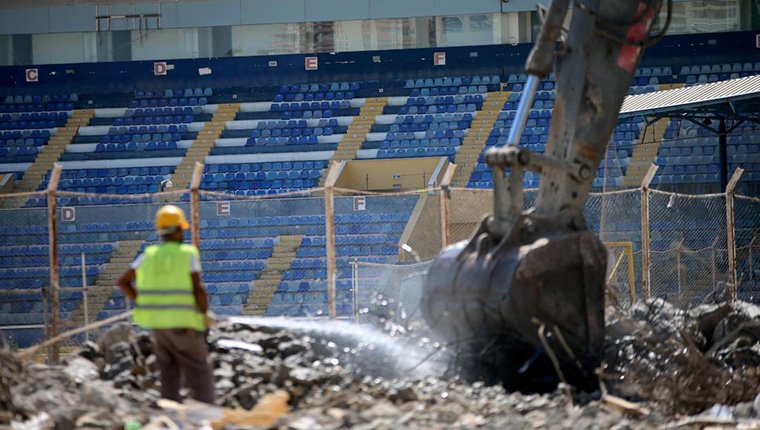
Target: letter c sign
[32, 75]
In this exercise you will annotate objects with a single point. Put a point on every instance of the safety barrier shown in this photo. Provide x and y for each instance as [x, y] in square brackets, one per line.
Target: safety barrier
[328, 252]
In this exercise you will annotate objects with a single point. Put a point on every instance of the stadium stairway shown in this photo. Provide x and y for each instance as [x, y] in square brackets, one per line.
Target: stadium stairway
[644, 153]
[357, 132]
[51, 152]
[663, 87]
[282, 257]
[475, 140]
[125, 253]
[203, 144]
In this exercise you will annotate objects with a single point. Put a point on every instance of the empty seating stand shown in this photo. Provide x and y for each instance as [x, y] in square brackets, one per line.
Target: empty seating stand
[263, 178]
[269, 148]
[370, 236]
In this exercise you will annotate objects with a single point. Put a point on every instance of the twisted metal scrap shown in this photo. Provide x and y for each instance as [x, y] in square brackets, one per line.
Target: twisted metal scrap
[677, 375]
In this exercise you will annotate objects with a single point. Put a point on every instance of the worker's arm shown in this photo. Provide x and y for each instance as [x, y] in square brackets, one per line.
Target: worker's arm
[201, 298]
[126, 283]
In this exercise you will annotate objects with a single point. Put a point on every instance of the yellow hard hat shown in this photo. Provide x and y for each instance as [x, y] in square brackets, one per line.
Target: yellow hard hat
[171, 216]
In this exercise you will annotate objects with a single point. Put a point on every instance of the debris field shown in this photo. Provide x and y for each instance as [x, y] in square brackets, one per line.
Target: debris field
[664, 367]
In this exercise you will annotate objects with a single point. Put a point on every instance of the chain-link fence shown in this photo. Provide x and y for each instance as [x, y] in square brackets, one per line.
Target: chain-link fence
[467, 208]
[688, 240]
[621, 274]
[275, 255]
[98, 237]
[616, 217]
[382, 228]
[264, 255]
[387, 293]
[24, 268]
[747, 227]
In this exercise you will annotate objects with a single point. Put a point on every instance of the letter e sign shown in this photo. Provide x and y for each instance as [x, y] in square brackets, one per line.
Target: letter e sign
[222, 208]
[311, 63]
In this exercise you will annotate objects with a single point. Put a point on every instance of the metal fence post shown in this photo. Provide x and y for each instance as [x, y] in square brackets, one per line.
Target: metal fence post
[195, 202]
[731, 234]
[445, 197]
[355, 288]
[646, 243]
[631, 275]
[714, 256]
[85, 298]
[751, 264]
[332, 177]
[678, 271]
[55, 312]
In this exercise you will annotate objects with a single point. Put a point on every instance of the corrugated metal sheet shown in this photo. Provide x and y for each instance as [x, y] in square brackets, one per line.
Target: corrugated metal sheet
[689, 97]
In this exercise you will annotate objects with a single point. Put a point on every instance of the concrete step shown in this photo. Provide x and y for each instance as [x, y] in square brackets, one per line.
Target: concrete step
[52, 151]
[203, 144]
[277, 266]
[104, 284]
[285, 245]
[262, 289]
[640, 164]
[281, 260]
[357, 131]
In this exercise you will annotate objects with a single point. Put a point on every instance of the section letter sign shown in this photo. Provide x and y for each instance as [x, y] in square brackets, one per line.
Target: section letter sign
[222, 208]
[32, 75]
[68, 214]
[439, 58]
[360, 203]
[159, 68]
[311, 63]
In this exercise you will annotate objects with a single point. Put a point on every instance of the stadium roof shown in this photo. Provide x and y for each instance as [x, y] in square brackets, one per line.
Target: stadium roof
[737, 99]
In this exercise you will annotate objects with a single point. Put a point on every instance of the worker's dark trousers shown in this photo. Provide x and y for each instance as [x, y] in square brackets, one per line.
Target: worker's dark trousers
[183, 351]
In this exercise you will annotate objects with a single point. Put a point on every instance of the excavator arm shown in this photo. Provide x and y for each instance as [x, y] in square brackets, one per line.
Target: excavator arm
[533, 280]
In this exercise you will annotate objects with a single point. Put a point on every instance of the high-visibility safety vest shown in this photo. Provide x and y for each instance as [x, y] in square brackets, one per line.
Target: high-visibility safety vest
[165, 298]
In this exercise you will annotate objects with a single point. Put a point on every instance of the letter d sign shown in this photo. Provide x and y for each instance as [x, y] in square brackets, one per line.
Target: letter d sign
[68, 214]
[159, 68]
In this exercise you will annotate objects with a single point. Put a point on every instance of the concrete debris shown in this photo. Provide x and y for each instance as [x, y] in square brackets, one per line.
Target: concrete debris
[81, 369]
[662, 363]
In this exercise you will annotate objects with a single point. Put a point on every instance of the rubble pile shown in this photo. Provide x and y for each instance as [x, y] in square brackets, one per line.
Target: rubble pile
[684, 361]
[661, 363]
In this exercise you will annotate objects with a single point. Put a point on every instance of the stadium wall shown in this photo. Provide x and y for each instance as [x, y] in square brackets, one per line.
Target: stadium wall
[383, 66]
[391, 174]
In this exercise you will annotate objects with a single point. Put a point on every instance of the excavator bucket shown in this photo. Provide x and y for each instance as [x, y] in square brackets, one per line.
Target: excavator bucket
[542, 292]
[522, 302]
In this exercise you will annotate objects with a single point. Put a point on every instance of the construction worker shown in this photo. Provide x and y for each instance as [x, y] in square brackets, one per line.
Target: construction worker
[165, 283]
